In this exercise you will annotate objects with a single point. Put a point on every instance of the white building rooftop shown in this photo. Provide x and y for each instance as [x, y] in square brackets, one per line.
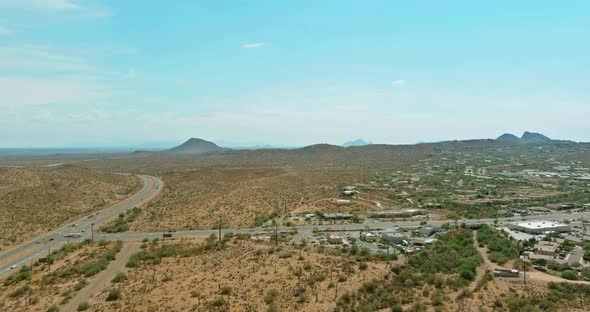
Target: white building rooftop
[540, 225]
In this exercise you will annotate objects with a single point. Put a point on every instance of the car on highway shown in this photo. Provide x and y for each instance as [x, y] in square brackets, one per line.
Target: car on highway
[73, 235]
[12, 267]
[51, 239]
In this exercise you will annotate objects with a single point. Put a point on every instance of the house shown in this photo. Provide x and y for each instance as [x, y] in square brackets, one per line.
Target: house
[369, 237]
[334, 239]
[546, 249]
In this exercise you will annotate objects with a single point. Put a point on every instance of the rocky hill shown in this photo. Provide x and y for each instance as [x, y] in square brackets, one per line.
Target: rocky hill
[195, 146]
[527, 137]
[357, 142]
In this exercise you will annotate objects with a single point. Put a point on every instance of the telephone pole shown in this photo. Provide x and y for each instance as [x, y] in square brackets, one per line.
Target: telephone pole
[92, 232]
[220, 231]
[49, 257]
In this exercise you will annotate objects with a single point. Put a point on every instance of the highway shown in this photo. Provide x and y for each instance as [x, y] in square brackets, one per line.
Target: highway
[39, 247]
[12, 259]
[306, 231]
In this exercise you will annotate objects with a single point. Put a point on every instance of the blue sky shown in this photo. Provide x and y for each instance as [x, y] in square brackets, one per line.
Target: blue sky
[76, 72]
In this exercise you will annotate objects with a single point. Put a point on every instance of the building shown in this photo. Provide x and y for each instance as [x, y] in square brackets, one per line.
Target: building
[539, 227]
[546, 249]
[334, 239]
[369, 237]
[560, 206]
[394, 238]
[397, 214]
[427, 231]
[338, 216]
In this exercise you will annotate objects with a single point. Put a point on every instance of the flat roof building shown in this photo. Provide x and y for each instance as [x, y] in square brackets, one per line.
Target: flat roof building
[540, 227]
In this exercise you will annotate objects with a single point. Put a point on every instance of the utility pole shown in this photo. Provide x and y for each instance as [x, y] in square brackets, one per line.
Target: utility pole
[49, 257]
[92, 232]
[276, 234]
[220, 231]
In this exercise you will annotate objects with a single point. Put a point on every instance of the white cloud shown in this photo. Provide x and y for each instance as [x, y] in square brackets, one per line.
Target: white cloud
[398, 83]
[253, 45]
[59, 5]
[35, 75]
[5, 32]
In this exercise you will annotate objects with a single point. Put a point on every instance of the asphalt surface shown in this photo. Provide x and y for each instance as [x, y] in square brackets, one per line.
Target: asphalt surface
[25, 253]
[306, 231]
[31, 251]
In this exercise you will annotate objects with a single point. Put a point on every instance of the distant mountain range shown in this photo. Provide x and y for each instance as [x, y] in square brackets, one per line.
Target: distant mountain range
[196, 146]
[527, 137]
[357, 142]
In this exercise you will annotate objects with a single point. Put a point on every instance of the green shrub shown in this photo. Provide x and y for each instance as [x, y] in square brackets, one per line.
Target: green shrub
[83, 306]
[569, 275]
[114, 294]
[120, 277]
[219, 302]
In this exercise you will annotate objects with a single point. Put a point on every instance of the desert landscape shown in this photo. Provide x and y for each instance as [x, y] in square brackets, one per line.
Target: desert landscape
[34, 201]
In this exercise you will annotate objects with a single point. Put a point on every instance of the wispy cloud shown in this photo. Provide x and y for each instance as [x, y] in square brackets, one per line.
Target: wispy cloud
[34, 75]
[253, 45]
[40, 4]
[5, 32]
[398, 83]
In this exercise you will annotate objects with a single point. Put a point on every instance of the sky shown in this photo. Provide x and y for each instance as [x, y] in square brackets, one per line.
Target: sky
[290, 73]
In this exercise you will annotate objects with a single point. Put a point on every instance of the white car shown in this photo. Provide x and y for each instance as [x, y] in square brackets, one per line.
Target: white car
[12, 267]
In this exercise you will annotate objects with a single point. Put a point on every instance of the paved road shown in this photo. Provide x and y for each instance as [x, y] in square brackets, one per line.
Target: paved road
[306, 231]
[32, 250]
[39, 247]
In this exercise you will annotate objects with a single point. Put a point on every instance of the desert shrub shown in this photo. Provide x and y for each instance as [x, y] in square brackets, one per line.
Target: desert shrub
[80, 285]
[83, 306]
[219, 302]
[20, 291]
[114, 294]
[569, 275]
[501, 249]
[120, 277]
[271, 296]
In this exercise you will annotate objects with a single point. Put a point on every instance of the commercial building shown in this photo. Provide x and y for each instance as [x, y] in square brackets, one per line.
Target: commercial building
[539, 227]
[394, 238]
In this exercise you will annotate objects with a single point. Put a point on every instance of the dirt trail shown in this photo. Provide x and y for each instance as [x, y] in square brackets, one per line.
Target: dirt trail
[103, 279]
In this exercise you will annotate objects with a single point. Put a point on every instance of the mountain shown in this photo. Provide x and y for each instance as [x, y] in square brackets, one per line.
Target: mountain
[527, 137]
[531, 137]
[508, 137]
[357, 142]
[195, 146]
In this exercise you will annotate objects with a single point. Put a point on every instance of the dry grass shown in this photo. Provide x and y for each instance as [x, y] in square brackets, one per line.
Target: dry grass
[42, 292]
[34, 201]
[199, 198]
[249, 276]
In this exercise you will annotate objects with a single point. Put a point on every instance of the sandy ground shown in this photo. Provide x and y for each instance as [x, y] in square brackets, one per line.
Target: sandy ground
[304, 280]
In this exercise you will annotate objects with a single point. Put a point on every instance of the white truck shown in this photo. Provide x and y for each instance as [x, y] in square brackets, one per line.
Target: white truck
[73, 235]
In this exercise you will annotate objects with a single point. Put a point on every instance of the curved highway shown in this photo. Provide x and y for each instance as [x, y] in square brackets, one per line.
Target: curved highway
[39, 247]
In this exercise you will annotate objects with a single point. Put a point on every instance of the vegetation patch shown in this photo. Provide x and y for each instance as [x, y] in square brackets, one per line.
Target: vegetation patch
[500, 248]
